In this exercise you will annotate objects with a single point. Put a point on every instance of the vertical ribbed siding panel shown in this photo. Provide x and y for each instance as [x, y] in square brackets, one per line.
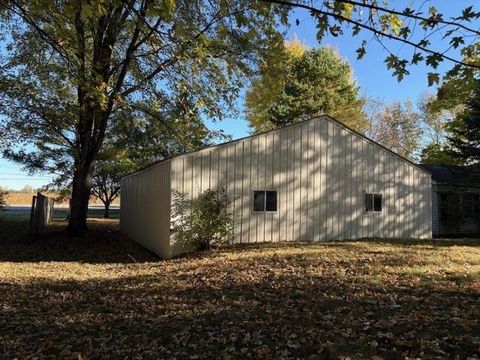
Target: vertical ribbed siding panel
[397, 197]
[389, 196]
[290, 181]
[214, 162]
[269, 157]
[368, 183]
[197, 175]
[145, 208]
[362, 189]
[239, 192]
[275, 174]
[246, 194]
[350, 188]
[282, 185]
[404, 218]
[323, 138]
[335, 164]
[312, 183]
[316, 219]
[254, 185]
[357, 187]
[305, 183]
[296, 176]
[330, 181]
[380, 172]
[340, 180]
[400, 196]
[291, 174]
[411, 215]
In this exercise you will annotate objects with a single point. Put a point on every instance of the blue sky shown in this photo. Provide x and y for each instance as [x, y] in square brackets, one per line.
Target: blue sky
[371, 74]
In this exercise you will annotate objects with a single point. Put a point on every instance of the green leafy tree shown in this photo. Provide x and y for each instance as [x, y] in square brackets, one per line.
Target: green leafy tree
[396, 126]
[312, 82]
[70, 66]
[435, 154]
[267, 86]
[458, 96]
[110, 166]
[3, 200]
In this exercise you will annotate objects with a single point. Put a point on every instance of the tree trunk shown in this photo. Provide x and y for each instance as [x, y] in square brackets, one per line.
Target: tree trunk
[106, 213]
[82, 183]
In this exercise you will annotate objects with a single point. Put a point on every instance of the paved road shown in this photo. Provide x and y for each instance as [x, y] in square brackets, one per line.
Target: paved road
[24, 208]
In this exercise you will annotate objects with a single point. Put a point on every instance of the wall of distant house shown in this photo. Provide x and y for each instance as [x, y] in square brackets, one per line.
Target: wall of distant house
[456, 210]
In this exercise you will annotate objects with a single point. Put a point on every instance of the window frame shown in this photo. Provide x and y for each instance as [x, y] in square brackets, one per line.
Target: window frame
[474, 202]
[372, 194]
[264, 211]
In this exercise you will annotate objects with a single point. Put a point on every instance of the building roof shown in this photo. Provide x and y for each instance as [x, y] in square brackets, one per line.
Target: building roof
[326, 117]
[455, 175]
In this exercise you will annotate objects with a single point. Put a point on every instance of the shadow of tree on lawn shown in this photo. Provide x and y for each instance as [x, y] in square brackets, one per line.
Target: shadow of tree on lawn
[268, 307]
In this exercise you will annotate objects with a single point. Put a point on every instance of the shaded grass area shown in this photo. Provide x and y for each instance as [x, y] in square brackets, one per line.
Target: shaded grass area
[389, 299]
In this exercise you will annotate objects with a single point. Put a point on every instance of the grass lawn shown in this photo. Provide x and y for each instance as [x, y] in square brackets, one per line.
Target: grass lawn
[102, 296]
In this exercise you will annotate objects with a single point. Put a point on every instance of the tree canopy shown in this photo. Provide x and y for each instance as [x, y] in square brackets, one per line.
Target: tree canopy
[415, 26]
[397, 127]
[297, 83]
[71, 66]
[464, 132]
[459, 98]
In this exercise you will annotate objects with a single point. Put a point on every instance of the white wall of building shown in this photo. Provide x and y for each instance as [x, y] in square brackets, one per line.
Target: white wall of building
[321, 171]
[145, 208]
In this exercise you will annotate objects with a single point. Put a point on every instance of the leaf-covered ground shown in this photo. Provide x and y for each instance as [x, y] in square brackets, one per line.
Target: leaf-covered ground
[61, 298]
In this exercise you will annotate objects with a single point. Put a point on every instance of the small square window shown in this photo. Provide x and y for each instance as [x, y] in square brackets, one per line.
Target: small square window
[373, 202]
[265, 201]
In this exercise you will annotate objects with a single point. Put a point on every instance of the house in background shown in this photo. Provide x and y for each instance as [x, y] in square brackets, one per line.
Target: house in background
[455, 200]
[315, 180]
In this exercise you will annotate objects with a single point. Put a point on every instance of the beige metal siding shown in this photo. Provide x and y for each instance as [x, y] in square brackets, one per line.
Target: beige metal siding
[145, 207]
[321, 171]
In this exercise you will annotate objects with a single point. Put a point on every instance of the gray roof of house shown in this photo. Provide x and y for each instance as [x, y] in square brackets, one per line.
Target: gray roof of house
[455, 175]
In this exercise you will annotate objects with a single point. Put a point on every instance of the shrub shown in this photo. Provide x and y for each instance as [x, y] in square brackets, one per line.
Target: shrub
[3, 195]
[204, 221]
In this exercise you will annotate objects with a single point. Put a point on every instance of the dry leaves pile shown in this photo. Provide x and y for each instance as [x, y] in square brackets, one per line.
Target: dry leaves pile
[366, 299]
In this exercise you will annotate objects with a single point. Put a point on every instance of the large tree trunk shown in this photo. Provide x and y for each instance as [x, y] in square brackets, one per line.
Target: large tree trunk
[82, 183]
[106, 213]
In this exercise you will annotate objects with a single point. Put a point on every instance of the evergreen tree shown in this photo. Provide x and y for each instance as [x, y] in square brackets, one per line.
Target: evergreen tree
[464, 132]
[312, 82]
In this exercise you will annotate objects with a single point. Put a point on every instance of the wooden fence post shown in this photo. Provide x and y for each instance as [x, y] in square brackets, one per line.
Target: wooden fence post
[40, 215]
[31, 227]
